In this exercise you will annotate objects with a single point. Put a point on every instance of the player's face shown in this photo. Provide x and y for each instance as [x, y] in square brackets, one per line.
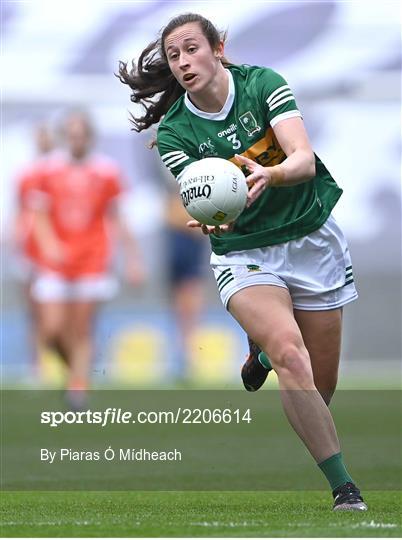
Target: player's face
[78, 138]
[191, 59]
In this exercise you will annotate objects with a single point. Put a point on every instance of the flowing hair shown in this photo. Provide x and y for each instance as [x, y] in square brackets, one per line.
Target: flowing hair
[152, 83]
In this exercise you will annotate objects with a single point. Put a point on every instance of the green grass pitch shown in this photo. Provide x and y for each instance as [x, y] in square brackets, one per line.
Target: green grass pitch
[195, 514]
[372, 444]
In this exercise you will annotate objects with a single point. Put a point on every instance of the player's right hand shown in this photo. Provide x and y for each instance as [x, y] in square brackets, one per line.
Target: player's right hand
[210, 229]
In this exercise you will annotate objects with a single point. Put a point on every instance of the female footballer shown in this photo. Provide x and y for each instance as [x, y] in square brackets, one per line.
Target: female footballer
[283, 268]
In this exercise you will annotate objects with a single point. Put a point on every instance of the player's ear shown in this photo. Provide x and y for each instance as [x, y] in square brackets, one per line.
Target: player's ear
[219, 51]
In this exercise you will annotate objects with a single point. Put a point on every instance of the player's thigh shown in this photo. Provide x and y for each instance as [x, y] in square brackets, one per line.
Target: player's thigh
[81, 314]
[322, 335]
[51, 318]
[265, 312]
[49, 292]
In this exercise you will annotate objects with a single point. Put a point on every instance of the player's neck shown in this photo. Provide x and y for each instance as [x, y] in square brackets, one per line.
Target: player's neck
[79, 157]
[214, 97]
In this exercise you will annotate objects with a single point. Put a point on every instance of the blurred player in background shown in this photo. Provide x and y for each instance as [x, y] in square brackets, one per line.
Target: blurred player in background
[283, 268]
[45, 144]
[185, 257]
[23, 241]
[75, 202]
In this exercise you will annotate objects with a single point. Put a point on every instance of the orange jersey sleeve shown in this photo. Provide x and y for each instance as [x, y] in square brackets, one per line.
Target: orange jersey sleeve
[28, 191]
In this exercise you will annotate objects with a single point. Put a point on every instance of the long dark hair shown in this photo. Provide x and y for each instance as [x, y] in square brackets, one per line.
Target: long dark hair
[151, 75]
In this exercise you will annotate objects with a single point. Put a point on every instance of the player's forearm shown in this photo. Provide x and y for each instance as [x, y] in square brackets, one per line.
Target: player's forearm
[297, 168]
[46, 238]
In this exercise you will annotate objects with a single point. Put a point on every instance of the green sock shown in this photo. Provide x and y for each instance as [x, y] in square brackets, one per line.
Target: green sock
[335, 471]
[264, 360]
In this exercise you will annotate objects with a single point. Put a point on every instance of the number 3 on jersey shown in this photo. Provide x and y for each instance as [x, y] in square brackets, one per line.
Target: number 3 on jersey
[234, 140]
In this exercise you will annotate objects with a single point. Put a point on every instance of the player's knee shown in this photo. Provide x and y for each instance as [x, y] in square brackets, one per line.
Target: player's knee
[292, 360]
[50, 334]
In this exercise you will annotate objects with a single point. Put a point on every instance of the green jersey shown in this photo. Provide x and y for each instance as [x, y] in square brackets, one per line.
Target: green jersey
[258, 98]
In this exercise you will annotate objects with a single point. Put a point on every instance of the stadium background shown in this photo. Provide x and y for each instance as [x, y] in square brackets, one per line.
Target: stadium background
[343, 63]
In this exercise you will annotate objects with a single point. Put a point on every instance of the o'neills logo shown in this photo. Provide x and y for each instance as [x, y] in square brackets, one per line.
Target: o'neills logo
[196, 192]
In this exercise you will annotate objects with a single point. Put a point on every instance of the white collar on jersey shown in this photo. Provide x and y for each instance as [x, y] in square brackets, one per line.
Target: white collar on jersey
[220, 115]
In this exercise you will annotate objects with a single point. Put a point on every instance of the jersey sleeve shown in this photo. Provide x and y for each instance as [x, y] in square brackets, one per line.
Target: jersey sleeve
[111, 180]
[26, 182]
[172, 151]
[32, 193]
[277, 97]
[115, 184]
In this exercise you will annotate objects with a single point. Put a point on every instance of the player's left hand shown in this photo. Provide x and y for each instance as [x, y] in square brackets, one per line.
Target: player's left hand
[257, 180]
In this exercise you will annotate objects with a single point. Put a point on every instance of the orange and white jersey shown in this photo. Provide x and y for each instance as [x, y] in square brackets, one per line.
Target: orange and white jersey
[77, 197]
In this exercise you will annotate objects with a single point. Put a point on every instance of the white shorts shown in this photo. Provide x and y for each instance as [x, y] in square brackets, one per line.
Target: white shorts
[54, 287]
[316, 269]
